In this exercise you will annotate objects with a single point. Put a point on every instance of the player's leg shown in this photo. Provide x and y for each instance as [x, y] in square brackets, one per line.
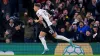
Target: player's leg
[56, 36]
[62, 38]
[43, 41]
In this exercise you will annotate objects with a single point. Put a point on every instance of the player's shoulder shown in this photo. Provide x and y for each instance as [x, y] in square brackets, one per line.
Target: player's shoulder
[40, 11]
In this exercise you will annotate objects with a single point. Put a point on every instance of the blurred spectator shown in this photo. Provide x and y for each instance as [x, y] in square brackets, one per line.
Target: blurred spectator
[60, 7]
[67, 26]
[68, 5]
[82, 31]
[5, 6]
[14, 7]
[63, 19]
[6, 21]
[98, 10]
[92, 7]
[7, 36]
[63, 32]
[74, 10]
[83, 12]
[9, 31]
[73, 31]
[29, 31]
[98, 6]
[85, 3]
[96, 34]
[88, 36]
[28, 5]
[18, 36]
[89, 19]
[80, 3]
[78, 19]
[48, 5]
[57, 3]
[75, 16]
[97, 23]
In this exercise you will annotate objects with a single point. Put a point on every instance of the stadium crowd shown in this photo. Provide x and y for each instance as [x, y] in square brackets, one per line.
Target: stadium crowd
[78, 20]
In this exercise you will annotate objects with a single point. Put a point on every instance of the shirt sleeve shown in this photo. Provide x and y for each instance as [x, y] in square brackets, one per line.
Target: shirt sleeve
[39, 13]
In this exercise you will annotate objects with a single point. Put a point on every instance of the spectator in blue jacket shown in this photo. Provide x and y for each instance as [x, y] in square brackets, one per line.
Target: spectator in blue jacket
[82, 29]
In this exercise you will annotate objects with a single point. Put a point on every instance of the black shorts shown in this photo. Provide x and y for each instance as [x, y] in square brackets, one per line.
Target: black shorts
[49, 29]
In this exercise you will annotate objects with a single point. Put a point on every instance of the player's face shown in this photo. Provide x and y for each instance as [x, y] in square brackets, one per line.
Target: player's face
[35, 8]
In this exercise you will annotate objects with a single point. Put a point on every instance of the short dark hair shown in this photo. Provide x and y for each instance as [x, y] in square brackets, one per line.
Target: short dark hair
[37, 4]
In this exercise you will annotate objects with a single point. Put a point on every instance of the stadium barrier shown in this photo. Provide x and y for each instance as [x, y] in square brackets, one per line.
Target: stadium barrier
[55, 49]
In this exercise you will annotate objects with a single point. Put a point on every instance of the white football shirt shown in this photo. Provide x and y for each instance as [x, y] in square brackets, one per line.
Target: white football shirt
[45, 17]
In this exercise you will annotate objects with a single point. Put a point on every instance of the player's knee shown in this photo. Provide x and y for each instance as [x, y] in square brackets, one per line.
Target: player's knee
[54, 35]
[41, 36]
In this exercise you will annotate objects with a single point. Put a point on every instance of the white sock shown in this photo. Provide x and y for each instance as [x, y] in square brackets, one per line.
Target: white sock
[62, 38]
[43, 42]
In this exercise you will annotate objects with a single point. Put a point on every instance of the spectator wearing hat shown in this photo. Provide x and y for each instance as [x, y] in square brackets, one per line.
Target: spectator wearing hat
[9, 31]
[73, 31]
